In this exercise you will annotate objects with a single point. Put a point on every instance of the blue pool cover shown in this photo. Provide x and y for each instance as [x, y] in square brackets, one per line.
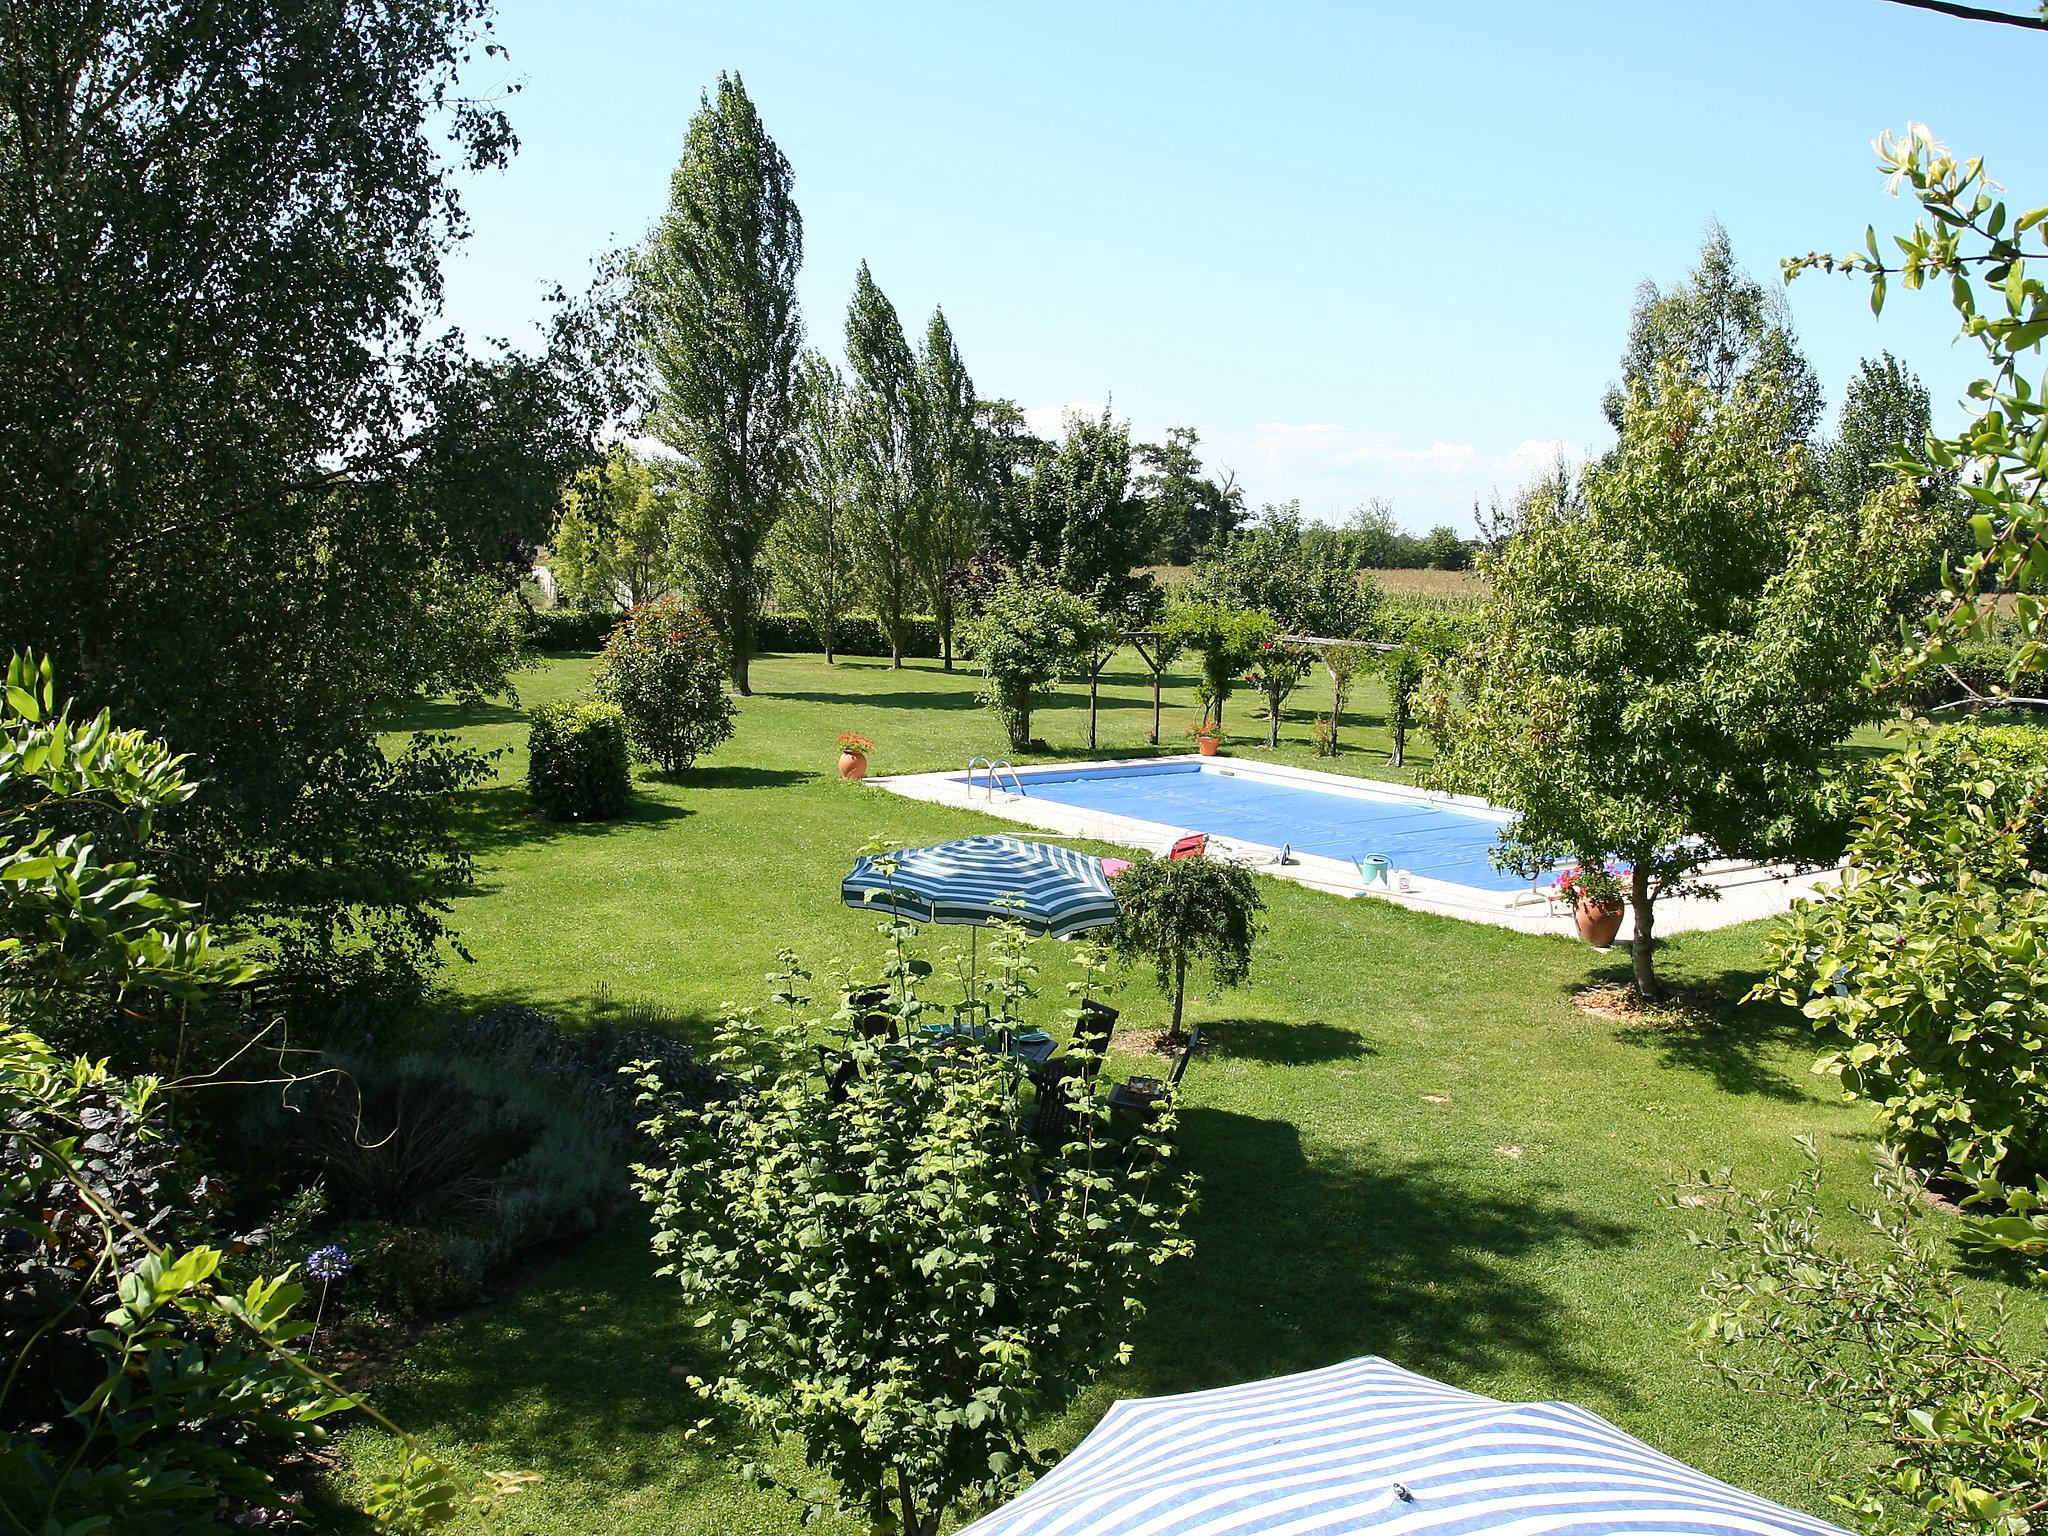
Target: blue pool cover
[1434, 840]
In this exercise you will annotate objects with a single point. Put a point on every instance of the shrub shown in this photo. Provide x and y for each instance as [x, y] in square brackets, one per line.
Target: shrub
[1929, 960]
[1227, 640]
[1027, 636]
[899, 1279]
[1175, 911]
[579, 766]
[666, 669]
[857, 634]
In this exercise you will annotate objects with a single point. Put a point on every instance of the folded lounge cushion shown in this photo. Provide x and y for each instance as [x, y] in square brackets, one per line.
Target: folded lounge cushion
[1111, 868]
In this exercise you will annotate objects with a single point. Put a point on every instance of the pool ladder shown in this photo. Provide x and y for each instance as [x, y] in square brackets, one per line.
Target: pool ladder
[997, 768]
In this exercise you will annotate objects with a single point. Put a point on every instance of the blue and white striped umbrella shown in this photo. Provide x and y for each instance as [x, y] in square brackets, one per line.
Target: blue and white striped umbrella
[1367, 1446]
[984, 880]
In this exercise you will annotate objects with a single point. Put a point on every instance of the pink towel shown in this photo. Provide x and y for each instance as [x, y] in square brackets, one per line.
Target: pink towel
[1114, 867]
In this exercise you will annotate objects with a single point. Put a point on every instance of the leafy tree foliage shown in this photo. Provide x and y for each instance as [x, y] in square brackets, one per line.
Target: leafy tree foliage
[1968, 236]
[1889, 1339]
[1422, 642]
[1444, 550]
[1074, 517]
[611, 543]
[1225, 639]
[1304, 587]
[1185, 511]
[811, 551]
[665, 669]
[954, 488]
[898, 1280]
[234, 432]
[1716, 329]
[1885, 417]
[1175, 912]
[1027, 636]
[884, 419]
[1928, 963]
[1664, 675]
[722, 332]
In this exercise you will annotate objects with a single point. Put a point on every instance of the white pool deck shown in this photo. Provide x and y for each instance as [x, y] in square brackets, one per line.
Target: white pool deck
[1745, 891]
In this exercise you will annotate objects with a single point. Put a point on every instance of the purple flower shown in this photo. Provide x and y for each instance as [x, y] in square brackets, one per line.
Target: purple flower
[329, 1263]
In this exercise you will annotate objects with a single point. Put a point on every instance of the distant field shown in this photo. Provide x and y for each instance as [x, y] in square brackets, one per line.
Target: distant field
[1442, 585]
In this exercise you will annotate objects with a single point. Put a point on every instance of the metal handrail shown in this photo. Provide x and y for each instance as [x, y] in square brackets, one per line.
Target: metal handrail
[996, 767]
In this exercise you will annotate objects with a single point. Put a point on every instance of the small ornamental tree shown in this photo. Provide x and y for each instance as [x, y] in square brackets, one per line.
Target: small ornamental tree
[1227, 640]
[1179, 911]
[665, 669]
[1664, 675]
[1027, 636]
[896, 1278]
[1275, 672]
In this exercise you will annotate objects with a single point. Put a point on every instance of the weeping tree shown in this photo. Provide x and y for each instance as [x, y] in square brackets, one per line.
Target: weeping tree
[810, 553]
[717, 295]
[952, 478]
[1177, 912]
[1665, 674]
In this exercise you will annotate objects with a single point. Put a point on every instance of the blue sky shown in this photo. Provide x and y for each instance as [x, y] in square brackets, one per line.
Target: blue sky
[1365, 249]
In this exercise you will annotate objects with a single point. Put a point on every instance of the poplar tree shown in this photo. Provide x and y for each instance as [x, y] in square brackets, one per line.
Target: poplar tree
[883, 417]
[952, 481]
[810, 552]
[718, 297]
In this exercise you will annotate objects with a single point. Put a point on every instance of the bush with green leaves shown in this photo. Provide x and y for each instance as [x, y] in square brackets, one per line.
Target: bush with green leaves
[666, 668]
[1175, 912]
[1928, 961]
[894, 1277]
[144, 1390]
[1027, 635]
[579, 761]
[1884, 1335]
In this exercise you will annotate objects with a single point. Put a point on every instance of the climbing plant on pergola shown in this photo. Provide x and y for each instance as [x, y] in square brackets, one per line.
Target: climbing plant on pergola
[1341, 659]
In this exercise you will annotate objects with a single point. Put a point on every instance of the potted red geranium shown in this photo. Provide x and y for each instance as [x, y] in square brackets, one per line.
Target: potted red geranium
[853, 755]
[1208, 735]
[1596, 900]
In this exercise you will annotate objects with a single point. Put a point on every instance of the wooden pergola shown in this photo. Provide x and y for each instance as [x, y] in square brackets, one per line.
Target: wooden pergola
[1325, 647]
[1138, 640]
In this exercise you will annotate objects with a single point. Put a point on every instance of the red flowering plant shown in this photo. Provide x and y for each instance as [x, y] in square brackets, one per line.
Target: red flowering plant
[666, 669]
[1599, 888]
[852, 741]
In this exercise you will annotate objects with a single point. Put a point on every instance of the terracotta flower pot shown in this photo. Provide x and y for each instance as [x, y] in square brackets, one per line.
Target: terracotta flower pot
[853, 765]
[1597, 924]
[1208, 744]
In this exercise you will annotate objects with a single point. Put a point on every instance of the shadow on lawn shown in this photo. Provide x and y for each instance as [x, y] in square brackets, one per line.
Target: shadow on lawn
[1739, 1045]
[447, 715]
[500, 816]
[1300, 1263]
[1283, 1043]
[739, 776]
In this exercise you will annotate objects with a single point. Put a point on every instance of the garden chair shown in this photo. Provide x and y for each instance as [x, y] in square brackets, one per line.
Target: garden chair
[872, 1020]
[839, 1069]
[1133, 1111]
[1193, 846]
[1093, 1029]
[1052, 1124]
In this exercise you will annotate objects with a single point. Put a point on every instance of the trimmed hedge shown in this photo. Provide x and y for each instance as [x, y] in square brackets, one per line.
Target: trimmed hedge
[580, 766]
[568, 629]
[860, 634]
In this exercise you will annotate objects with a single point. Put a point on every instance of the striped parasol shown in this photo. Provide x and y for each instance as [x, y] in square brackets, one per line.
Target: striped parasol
[1368, 1447]
[984, 880]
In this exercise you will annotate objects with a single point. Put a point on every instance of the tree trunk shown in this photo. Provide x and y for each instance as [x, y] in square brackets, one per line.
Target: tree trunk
[1180, 992]
[1272, 721]
[1094, 684]
[1018, 718]
[742, 646]
[1400, 742]
[1336, 710]
[1642, 946]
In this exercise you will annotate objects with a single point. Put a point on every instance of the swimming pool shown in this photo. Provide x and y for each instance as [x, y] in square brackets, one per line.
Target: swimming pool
[1435, 837]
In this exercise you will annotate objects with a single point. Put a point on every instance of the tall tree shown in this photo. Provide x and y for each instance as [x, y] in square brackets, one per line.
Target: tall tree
[884, 418]
[611, 543]
[718, 297]
[1074, 517]
[811, 550]
[1718, 326]
[1664, 674]
[250, 489]
[1303, 587]
[1185, 510]
[1885, 416]
[952, 490]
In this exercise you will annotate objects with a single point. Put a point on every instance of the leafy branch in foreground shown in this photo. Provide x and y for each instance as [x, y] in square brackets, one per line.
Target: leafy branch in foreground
[1952, 1402]
[2000, 457]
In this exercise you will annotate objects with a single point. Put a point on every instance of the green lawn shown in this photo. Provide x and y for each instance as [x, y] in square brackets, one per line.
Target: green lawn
[1411, 1143]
